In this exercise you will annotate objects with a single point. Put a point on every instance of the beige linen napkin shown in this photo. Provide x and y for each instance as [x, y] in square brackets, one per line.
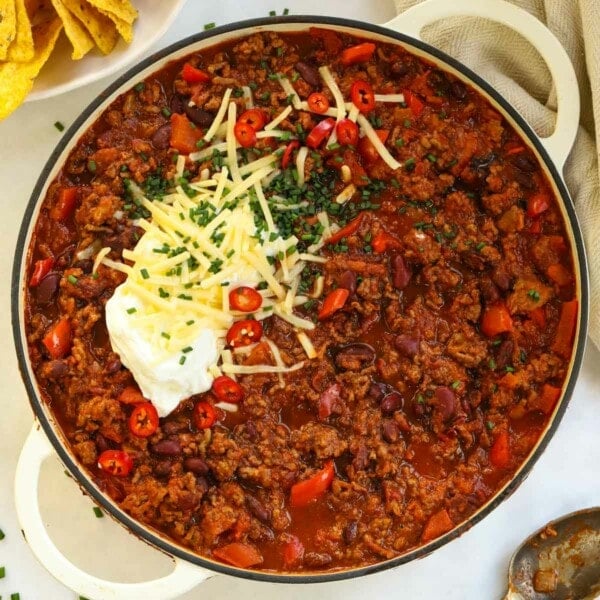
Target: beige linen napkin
[516, 70]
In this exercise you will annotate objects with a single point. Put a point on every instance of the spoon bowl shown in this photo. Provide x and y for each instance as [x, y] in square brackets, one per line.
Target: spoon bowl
[560, 561]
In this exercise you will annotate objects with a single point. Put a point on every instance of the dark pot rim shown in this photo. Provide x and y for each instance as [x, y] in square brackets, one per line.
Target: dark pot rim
[150, 535]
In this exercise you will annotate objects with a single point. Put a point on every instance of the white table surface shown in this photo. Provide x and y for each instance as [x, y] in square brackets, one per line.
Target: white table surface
[472, 567]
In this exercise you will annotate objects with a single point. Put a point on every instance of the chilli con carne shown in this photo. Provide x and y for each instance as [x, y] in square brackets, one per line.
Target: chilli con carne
[442, 311]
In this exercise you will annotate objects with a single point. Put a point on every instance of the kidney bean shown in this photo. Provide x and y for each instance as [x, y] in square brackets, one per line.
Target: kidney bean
[55, 369]
[489, 291]
[502, 279]
[361, 459]
[199, 116]
[177, 104]
[504, 354]
[399, 69]
[525, 180]
[401, 274]
[391, 402]
[47, 288]
[458, 89]
[101, 443]
[350, 532]
[196, 465]
[445, 402]
[390, 431]
[173, 427]
[258, 509]
[348, 281]
[202, 484]
[308, 73]
[525, 163]
[377, 390]
[85, 265]
[113, 366]
[317, 559]
[163, 468]
[251, 430]
[406, 344]
[355, 357]
[162, 137]
[167, 447]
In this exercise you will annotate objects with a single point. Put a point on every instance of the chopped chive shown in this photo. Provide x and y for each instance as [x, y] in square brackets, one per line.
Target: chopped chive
[490, 425]
[98, 512]
[182, 360]
[272, 13]
[59, 126]
[165, 335]
[208, 26]
[72, 279]
[15, 596]
[480, 246]
[144, 273]
[139, 87]
[407, 123]
[187, 349]
[131, 310]
[91, 165]
[534, 294]
[431, 157]
[455, 385]
[286, 11]
[492, 364]
[509, 369]
[190, 322]
[409, 164]
[399, 142]
[2, 536]
[2, 572]
[166, 112]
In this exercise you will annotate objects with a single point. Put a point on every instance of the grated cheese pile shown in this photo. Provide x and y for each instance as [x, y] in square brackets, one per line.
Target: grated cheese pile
[169, 319]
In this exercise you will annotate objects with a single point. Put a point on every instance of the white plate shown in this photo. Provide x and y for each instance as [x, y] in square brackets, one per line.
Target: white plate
[61, 74]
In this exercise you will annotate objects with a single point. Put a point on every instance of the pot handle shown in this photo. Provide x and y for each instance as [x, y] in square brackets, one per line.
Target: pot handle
[559, 144]
[36, 450]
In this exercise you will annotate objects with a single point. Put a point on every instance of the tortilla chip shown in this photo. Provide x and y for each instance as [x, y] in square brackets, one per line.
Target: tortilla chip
[40, 11]
[124, 28]
[8, 26]
[80, 40]
[16, 79]
[100, 27]
[21, 50]
[121, 9]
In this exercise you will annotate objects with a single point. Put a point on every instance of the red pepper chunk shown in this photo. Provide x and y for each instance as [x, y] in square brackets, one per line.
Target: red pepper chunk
[65, 204]
[334, 301]
[319, 132]
[366, 148]
[414, 103]
[496, 319]
[288, 152]
[438, 524]
[500, 454]
[565, 330]
[184, 134]
[357, 54]
[143, 421]
[537, 204]
[384, 241]
[41, 268]
[58, 339]
[305, 492]
[193, 75]
[227, 390]
[239, 555]
[293, 551]
[115, 462]
[346, 231]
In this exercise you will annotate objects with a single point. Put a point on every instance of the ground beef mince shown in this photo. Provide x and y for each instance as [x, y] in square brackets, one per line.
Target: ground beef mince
[445, 312]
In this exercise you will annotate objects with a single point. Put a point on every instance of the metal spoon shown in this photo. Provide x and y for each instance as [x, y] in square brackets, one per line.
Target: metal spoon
[561, 561]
